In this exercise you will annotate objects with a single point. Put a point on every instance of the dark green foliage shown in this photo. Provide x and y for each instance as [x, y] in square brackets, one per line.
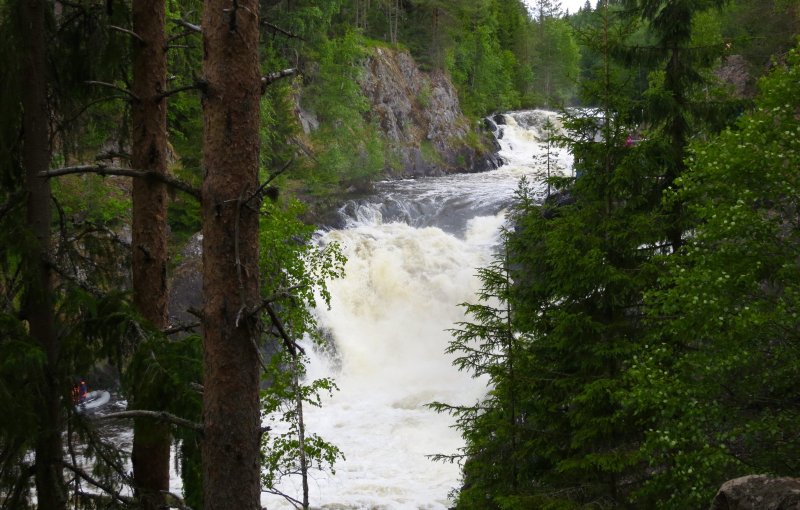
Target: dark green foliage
[163, 374]
[493, 427]
[720, 375]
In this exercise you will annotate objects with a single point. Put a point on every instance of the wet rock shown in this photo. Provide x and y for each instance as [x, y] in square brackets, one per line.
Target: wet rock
[758, 492]
[421, 117]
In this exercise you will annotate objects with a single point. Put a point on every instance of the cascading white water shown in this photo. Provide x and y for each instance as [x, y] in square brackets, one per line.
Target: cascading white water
[412, 251]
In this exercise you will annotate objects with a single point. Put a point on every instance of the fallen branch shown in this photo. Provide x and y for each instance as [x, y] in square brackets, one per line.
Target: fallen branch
[275, 76]
[124, 172]
[155, 415]
[115, 87]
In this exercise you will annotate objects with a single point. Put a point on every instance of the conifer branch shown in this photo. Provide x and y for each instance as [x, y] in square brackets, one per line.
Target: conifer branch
[276, 28]
[100, 485]
[275, 76]
[154, 415]
[126, 31]
[125, 172]
[115, 87]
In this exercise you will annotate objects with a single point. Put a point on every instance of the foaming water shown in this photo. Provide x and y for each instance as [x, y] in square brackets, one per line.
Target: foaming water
[413, 250]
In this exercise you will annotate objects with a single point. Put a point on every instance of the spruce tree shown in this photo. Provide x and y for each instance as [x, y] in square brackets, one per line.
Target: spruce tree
[231, 417]
[151, 440]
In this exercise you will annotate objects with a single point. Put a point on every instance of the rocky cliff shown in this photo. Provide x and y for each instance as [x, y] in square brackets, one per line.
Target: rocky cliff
[419, 114]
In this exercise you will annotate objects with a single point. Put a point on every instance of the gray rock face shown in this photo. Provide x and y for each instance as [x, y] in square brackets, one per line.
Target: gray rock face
[758, 492]
[421, 117]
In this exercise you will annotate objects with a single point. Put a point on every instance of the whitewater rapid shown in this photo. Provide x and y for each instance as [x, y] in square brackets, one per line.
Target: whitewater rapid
[413, 249]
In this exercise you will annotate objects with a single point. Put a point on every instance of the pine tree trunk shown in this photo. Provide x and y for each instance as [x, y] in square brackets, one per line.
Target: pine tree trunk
[38, 305]
[230, 451]
[151, 440]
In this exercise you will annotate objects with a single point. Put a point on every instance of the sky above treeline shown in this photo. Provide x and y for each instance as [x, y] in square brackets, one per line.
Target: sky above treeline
[566, 5]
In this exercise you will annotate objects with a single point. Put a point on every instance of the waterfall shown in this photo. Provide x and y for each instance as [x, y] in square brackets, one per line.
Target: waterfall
[413, 249]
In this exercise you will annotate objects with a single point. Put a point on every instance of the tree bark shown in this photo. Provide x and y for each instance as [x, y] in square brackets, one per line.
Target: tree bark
[230, 449]
[151, 439]
[38, 303]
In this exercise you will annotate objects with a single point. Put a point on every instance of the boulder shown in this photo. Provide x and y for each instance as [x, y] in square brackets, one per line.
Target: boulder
[758, 492]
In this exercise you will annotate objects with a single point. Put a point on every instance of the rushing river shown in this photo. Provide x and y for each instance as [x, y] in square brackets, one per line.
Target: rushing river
[413, 249]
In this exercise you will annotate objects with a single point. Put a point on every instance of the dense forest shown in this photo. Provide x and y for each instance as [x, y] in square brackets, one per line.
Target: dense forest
[637, 326]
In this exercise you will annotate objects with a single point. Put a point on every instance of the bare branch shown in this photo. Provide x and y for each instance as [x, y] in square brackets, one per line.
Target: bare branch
[104, 156]
[178, 329]
[261, 189]
[275, 76]
[294, 502]
[187, 25]
[291, 345]
[68, 119]
[126, 31]
[125, 172]
[115, 87]
[154, 415]
[194, 311]
[281, 294]
[276, 28]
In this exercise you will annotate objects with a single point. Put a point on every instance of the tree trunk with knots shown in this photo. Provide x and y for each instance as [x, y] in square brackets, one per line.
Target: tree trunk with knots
[230, 451]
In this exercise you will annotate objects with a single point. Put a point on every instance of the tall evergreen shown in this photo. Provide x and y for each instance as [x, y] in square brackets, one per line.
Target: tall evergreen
[151, 440]
[38, 307]
[231, 417]
[674, 110]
